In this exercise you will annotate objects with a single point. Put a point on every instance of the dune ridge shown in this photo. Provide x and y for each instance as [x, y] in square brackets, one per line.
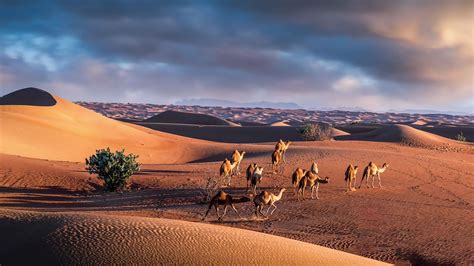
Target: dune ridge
[28, 96]
[106, 239]
[409, 136]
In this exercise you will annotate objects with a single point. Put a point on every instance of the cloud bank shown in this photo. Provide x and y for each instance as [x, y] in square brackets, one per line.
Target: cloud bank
[377, 55]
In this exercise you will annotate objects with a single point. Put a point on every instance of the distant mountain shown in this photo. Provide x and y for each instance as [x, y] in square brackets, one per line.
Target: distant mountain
[225, 103]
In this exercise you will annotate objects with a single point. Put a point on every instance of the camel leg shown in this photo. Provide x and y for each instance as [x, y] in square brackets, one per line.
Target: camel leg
[225, 211]
[317, 191]
[348, 184]
[274, 208]
[268, 209]
[362, 180]
[312, 192]
[207, 212]
[260, 210]
[380, 181]
[373, 181]
[233, 207]
[353, 185]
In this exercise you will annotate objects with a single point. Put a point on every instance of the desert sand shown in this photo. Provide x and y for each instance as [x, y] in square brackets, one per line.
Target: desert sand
[71, 238]
[50, 205]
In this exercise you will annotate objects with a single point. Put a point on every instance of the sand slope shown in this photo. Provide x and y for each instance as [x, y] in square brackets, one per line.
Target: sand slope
[408, 136]
[101, 239]
[175, 117]
[69, 132]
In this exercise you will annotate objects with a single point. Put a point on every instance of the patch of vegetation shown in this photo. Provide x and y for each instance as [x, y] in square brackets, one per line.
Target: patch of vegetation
[315, 131]
[461, 137]
[212, 185]
[114, 169]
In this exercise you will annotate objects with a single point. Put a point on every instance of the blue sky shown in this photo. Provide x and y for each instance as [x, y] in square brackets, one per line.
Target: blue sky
[378, 55]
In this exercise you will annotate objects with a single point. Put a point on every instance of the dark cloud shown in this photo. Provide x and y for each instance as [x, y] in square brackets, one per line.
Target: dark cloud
[349, 52]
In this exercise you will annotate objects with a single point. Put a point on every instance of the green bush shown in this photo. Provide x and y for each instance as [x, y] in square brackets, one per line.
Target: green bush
[316, 131]
[113, 168]
[461, 137]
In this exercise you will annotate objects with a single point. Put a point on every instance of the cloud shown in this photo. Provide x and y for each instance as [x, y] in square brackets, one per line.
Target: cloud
[315, 53]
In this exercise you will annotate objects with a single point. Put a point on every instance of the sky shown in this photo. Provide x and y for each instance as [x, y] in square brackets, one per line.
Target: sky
[375, 55]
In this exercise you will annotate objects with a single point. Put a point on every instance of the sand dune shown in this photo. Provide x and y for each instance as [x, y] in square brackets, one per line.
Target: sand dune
[279, 124]
[102, 239]
[408, 136]
[337, 132]
[28, 96]
[175, 117]
[69, 132]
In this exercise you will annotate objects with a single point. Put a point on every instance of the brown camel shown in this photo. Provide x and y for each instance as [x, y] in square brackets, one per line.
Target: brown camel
[350, 177]
[237, 157]
[312, 180]
[372, 170]
[226, 171]
[296, 177]
[249, 172]
[222, 198]
[276, 160]
[266, 198]
[282, 147]
[256, 178]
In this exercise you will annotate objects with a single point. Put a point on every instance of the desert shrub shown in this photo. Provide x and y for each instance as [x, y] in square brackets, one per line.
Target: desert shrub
[316, 131]
[113, 168]
[461, 137]
[211, 186]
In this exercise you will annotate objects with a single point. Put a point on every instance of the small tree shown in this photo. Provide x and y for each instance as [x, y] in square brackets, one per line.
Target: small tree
[316, 131]
[113, 168]
[461, 137]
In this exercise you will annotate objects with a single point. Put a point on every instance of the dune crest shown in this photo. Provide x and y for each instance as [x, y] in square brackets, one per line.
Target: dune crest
[107, 239]
[28, 96]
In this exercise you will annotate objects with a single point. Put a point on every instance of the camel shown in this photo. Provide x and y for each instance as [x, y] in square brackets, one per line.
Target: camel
[266, 198]
[226, 170]
[350, 177]
[249, 172]
[283, 147]
[296, 177]
[372, 170]
[222, 198]
[276, 160]
[299, 173]
[256, 178]
[237, 157]
[312, 180]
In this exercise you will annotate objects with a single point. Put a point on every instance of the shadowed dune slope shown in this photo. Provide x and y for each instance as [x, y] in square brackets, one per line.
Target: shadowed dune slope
[243, 134]
[104, 239]
[176, 117]
[69, 132]
[406, 135]
[28, 96]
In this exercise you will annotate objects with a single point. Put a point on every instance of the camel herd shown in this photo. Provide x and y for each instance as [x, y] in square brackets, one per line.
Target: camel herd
[300, 180]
